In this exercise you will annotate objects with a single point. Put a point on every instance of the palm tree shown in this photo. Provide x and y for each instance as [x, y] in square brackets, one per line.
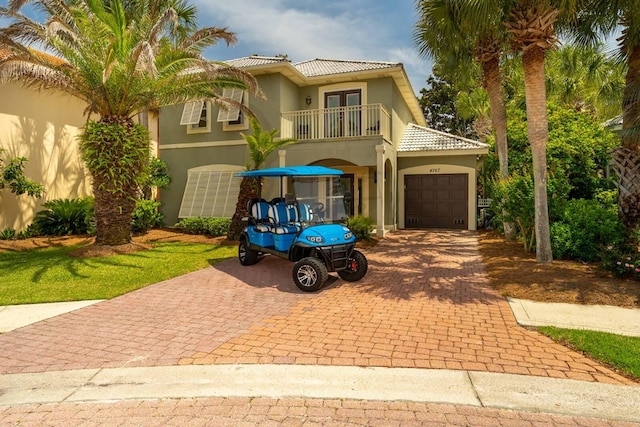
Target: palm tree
[260, 145]
[532, 27]
[454, 31]
[586, 79]
[119, 62]
[603, 18]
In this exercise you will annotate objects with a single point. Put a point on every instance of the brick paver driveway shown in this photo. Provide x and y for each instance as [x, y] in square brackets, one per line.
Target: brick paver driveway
[424, 303]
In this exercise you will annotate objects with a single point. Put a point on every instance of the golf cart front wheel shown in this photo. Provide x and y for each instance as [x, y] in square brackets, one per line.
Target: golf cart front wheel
[309, 274]
[246, 255]
[356, 267]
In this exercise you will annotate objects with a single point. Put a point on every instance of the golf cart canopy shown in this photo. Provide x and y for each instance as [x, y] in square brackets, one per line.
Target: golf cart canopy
[292, 171]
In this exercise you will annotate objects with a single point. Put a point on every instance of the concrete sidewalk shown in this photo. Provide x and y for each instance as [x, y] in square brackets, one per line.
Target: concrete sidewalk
[474, 389]
[16, 316]
[603, 318]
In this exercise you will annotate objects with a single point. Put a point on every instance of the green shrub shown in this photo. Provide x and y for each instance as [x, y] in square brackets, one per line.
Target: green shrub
[206, 226]
[513, 201]
[30, 231]
[622, 260]
[65, 216]
[584, 229]
[8, 234]
[146, 215]
[360, 226]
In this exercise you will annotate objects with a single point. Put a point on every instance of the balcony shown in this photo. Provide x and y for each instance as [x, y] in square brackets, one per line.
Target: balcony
[337, 123]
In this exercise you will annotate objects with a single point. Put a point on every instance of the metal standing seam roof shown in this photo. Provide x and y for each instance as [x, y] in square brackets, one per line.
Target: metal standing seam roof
[419, 138]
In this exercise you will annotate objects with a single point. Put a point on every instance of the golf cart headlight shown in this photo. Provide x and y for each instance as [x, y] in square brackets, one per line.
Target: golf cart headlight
[315, 239]
[348, 235]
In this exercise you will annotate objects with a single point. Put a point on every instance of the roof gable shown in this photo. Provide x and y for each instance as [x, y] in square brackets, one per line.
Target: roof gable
[422, 139]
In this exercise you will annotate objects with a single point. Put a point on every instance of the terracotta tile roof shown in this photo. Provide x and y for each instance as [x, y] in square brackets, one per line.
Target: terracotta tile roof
[323, 67]
[419, 138]
[4, 53]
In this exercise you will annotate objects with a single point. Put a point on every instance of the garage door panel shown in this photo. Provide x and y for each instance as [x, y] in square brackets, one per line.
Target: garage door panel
[436, 201]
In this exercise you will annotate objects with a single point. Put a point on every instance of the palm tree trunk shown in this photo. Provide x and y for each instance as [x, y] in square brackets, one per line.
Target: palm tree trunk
[626, 160]
[112, 215]
[493, 85]
[249, 189]
[538, 130]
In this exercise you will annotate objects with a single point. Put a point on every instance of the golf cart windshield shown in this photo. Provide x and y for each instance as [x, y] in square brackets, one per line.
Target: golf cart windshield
[318, 192]
[324, 197]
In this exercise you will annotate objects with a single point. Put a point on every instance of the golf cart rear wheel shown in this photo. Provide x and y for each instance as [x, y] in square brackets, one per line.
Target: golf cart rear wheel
[246, 255]
[356, 267]
[309, 274]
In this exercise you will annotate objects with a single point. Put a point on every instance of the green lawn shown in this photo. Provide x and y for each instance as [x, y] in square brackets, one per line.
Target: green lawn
[618, 351]
[50, 275]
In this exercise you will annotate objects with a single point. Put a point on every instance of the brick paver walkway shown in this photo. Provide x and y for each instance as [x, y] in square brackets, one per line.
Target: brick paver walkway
[245, 412]
[424, 303]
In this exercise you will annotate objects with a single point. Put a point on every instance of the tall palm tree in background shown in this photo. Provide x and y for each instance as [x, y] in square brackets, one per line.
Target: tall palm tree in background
[604, 17]
[120, 60]
[532, 28]
[260, 143]
[455, 31]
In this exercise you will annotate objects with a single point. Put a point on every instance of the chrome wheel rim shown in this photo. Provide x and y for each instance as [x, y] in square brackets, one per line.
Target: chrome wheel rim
[307, 275]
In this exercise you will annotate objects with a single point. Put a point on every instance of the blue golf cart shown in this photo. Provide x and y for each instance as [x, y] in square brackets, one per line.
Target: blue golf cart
[305, 226]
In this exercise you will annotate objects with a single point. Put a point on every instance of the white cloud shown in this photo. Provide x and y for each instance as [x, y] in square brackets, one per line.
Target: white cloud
[269, 28]
[343, 29]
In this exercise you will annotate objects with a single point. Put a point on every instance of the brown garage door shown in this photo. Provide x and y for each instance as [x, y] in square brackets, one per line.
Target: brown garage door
[436, 201]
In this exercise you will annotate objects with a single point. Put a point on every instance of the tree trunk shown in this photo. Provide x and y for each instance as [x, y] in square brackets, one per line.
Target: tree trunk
[113, 216]
[249, 189]
[538, 130]
[493, 85]
[627, 159]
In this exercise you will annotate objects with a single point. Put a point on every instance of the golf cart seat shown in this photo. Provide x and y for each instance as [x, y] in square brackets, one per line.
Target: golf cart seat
[259, 210]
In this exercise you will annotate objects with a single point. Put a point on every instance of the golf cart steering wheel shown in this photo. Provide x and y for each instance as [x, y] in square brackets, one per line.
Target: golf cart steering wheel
[318, 210]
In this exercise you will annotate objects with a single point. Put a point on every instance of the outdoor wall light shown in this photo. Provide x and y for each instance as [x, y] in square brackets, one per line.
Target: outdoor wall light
[308, 100]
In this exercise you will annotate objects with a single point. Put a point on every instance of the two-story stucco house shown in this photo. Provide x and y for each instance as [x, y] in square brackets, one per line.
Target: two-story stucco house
[358, 116]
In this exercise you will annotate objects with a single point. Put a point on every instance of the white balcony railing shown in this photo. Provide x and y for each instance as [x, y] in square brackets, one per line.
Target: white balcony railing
[333, 123]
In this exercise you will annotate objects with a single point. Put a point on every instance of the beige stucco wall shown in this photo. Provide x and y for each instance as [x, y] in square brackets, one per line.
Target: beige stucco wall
[43, 126]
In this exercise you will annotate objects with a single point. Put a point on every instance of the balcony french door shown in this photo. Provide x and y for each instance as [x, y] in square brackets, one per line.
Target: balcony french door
[342, 121]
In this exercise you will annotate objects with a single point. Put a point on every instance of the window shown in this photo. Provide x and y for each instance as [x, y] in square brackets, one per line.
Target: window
[196, 117]
[233, 118]
[211, 191]
[343, 115]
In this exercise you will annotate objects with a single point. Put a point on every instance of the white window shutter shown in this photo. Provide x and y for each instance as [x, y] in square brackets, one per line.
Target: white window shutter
[210, 194]
[191, 113]
[232, 113]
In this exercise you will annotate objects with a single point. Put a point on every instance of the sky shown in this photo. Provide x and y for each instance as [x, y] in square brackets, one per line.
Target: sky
[331, 29]
[369, 30]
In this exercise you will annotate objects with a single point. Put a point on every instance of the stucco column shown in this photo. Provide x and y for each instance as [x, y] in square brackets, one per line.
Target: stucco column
[380, 152]
[282, 162]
